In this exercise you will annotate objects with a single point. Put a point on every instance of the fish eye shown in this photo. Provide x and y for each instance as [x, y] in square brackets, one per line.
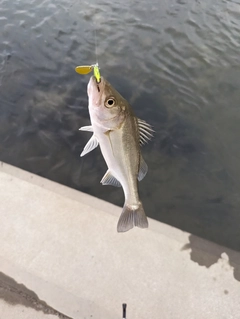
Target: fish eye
[110, 102]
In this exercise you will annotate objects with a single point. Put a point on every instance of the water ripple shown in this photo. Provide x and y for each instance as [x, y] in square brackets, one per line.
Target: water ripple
[177, 63]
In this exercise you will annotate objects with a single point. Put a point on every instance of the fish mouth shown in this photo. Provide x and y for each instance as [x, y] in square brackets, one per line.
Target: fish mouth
[95, 91]
[94, 86]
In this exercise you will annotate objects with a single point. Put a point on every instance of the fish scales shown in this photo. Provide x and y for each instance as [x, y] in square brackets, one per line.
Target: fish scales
[119, 134]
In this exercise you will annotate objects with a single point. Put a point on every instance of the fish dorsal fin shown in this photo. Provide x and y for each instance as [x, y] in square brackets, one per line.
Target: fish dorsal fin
[109, 179]
[143, 169]
[86, 128]
[145, 131]
[91, 144]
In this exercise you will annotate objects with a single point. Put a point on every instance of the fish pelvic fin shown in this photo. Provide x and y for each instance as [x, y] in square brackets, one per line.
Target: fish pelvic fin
[86, 128]
[132, 216]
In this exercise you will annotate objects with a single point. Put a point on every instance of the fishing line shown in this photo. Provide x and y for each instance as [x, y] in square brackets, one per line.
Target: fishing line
[96, 44]
[68, 8]
[96, 69]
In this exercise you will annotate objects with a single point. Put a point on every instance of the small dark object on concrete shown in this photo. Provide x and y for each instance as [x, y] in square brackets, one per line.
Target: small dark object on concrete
[124, 306]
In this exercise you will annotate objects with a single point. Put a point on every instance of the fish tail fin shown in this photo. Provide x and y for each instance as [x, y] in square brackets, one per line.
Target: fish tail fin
[132, 216]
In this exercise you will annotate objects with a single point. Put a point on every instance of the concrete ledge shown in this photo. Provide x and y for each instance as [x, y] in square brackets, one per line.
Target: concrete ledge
[59, 250]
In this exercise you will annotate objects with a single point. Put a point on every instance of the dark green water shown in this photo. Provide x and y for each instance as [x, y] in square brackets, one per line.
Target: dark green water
[176, 62]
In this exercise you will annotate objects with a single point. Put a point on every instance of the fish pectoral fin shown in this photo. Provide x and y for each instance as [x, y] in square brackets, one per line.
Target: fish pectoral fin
[86, 128]
[109, 179]
[145, 131]
[91, 144]
[143, 169]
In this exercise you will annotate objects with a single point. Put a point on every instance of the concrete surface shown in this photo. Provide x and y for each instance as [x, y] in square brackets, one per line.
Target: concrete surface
[61, 257]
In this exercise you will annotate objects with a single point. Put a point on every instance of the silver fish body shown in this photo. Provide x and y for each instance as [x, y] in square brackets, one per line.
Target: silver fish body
[119, 134]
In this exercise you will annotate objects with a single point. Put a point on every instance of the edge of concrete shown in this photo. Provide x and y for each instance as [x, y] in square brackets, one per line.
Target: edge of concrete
[172, 244]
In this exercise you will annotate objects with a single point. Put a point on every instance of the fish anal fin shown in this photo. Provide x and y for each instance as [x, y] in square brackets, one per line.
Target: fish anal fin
[143, 169]
[91, 145]
[109, 179]
[132, 216]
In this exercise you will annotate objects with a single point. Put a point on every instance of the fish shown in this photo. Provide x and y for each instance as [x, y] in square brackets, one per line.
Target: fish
[120, 134]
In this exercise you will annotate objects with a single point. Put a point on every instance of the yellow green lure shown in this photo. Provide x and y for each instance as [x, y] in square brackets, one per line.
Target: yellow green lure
[85, 69]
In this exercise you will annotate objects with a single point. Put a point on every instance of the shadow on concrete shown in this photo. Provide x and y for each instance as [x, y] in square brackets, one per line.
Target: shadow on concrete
[206, 254]
[18, 294]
